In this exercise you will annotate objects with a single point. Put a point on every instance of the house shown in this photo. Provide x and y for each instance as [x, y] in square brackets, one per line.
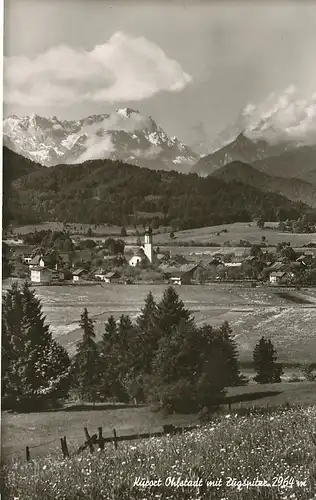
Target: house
[276, 266]
[38, 260]
[280, 276]
[57, 275]
[182, 274]
[41, 274]
[107, 277]
[77, 275]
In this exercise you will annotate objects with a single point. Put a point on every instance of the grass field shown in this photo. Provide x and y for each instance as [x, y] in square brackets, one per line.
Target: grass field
[252, 312]
[42, 431]
[235, 232]
[277, 448]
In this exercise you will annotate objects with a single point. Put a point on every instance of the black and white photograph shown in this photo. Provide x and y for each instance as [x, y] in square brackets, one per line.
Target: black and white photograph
[158, 335]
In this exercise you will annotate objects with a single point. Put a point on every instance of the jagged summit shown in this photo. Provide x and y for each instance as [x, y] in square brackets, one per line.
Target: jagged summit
[125, 134]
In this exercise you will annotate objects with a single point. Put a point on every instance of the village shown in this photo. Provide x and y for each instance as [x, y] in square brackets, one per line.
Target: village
[112, 261]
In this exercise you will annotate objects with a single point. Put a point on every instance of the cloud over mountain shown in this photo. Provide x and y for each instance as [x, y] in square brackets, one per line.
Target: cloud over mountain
[125, 68]
[284, 117]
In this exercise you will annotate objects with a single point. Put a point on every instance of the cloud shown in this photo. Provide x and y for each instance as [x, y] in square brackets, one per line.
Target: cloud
[282, 118]
[96, 148]
[125, 68]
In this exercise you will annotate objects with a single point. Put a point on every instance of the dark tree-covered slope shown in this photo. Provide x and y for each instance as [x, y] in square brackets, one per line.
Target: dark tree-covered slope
[105, 191]
[293, 189]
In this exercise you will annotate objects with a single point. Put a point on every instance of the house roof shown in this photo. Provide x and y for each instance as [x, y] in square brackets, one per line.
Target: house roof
[277, 265]
[111, 274]
[77, 272]
[35, 260]
[179, 271]
[40, 268]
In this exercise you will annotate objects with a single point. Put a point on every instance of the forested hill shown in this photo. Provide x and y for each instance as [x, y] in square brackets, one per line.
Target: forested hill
[14, 166]
[105, 191]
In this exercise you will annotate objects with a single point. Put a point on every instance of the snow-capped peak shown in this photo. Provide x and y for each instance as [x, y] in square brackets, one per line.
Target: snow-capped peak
[124, 135]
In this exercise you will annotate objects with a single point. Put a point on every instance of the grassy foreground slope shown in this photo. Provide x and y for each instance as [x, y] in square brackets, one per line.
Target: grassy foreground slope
[228, 456]
[43, 430]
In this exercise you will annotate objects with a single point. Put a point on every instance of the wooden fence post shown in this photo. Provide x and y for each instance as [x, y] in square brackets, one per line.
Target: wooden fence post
[101, 441]
[64, 447]
[27, 453]
[115, 438]
[91, 448]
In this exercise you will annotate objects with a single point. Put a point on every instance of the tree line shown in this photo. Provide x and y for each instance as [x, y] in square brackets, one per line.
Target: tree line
[163, 358]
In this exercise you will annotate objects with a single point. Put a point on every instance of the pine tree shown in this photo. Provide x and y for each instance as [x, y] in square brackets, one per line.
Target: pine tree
[37, 367]
[107, 361]
[229, 352]
[146, 318]
[123, 232]
[171, 312]
[264, 362]
[146, 340]
[86, 362]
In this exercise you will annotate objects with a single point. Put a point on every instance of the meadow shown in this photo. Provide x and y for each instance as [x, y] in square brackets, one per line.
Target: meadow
[215, 235]
[270, 456]
[252, 312]
[41, 431]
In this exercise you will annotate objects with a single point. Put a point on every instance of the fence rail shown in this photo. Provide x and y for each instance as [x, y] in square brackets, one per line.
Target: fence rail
[100, 441]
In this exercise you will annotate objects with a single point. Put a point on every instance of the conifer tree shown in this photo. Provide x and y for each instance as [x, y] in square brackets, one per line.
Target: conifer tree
[171, 311]
[36, 367]
[146, 341]
[107, 361]
[146, 318]
[264, 362]
[86, 362]
[229, 351]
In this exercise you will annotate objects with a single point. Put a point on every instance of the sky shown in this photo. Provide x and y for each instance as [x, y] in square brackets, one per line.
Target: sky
[195, 67]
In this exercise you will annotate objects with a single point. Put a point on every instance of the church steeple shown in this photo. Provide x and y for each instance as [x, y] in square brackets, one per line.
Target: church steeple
[148, 244]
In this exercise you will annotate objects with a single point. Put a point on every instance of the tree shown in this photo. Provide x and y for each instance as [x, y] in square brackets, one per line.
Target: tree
[123, 232]
[171, 311]
[36, 369]
[308, 370]
[261, 222]
[86, 360]
[264, 362]
[229, 352]
[188, 371]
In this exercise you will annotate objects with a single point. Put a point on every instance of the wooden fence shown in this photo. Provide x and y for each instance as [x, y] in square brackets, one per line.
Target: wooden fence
[100, 441]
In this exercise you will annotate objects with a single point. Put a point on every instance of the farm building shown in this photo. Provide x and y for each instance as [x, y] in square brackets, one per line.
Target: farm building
[38, 260]
[41, 274]
[280, 276]
[107, 277]
[78, 274]
[180, 275]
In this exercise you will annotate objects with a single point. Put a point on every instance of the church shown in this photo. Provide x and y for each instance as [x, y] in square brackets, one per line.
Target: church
[145, 253]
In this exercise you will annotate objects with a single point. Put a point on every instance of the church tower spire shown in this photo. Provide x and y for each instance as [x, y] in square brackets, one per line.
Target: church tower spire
[148, 244]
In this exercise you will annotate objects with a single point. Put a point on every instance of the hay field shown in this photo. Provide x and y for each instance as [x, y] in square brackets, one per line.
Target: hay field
[251, 313]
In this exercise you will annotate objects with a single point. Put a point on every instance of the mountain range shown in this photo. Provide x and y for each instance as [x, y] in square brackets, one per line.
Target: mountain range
[241, 149]
[285, 167]
[122, 135]
[292, 188]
